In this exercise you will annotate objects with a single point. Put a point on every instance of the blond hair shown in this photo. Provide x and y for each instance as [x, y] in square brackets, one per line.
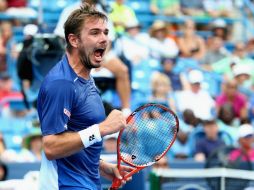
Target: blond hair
[158, 78]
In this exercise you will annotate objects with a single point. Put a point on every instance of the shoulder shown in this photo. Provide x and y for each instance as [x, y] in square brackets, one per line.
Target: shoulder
[57, 86]
[58, 80]
[60, 72]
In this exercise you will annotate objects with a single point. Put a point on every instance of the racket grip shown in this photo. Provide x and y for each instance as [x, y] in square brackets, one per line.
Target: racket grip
[115, 184]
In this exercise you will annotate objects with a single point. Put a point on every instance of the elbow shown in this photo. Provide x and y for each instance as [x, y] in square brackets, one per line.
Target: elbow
[49, 150]
[49, 153]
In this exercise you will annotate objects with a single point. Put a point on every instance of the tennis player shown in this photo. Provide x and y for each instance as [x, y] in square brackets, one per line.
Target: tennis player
[71, 112]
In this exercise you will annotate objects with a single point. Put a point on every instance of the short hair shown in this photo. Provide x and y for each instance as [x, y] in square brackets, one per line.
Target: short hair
[159, 77]
[77, 18]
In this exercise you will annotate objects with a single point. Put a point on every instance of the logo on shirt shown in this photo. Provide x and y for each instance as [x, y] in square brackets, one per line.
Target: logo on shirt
[67, 112]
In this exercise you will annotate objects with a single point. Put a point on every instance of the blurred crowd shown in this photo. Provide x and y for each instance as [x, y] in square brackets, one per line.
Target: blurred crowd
[203, 71]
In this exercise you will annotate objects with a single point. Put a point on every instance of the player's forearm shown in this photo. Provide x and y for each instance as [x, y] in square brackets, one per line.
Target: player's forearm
[62, 145]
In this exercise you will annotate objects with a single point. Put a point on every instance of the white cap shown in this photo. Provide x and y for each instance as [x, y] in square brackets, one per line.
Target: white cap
[132, 23]
[30, 30]
[245, 130]
[219, 23]
[195, 76]
[240, 69]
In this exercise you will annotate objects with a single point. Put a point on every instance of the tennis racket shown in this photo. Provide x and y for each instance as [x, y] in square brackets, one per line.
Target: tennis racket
[151, 131]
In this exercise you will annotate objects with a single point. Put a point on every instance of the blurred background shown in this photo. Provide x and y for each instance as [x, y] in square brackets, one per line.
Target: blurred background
[195, 57]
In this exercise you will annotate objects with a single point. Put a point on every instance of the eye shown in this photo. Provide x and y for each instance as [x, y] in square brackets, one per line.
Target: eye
[106, 32]
[94, 33]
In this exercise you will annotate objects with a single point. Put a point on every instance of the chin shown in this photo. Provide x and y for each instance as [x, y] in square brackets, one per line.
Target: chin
[96, 64]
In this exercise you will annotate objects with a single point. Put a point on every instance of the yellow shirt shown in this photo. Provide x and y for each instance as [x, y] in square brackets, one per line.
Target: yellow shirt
[121, 13]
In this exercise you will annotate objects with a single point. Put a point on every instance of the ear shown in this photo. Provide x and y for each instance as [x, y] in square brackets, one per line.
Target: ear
[73, 40]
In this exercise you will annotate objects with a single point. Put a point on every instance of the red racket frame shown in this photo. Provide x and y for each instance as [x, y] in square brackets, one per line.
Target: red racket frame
[117, 182]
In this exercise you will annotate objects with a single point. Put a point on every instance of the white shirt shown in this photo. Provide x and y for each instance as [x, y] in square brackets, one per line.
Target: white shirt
[166, 48]
[135, 48]
[200, 103]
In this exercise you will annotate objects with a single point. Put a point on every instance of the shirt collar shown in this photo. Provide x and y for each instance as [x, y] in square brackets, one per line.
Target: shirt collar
[67, 67]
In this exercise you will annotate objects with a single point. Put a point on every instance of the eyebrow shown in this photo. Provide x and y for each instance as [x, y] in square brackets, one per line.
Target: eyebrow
[98, 29]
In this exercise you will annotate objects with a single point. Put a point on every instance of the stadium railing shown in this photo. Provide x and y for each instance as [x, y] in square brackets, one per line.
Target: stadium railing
[202, 179]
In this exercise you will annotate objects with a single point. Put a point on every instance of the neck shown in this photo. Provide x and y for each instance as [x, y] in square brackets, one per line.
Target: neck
[77, 66]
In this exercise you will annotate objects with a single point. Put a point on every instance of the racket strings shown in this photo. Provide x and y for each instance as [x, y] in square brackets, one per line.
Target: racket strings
[149, 134]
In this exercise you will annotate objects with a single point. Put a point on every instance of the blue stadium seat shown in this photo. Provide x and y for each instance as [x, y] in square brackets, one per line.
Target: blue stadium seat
[14, 126]
[18, 33]
[13, 141]
[139, 6]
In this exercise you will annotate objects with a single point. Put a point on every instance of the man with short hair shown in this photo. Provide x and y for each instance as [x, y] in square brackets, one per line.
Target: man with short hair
[71, 112]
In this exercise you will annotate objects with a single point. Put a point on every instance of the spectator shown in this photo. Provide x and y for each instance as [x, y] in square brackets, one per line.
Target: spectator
[178, 82]
[205, 146]
[10, 52]
[196, 99]
[170, 7]
[232, 96]
[215, 52]
[24, 62]
[220, 29]
[120, 15]
[6, 35]
[242, 76]
[190, 44]
[161, 90]
[227, 122]
[7, 94]
[192, 7]
[245, 151]
[161, 45]
[224, 66]
[219, 8]
[6, 154]
[133, 46]
[32, 146]
[19, 9]
[190, 119]
[3, 5]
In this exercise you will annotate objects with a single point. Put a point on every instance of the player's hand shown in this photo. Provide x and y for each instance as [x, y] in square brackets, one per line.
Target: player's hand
[110, 171]
[113, 123]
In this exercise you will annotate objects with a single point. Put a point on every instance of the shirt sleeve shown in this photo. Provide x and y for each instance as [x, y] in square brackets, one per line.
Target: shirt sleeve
[56, 105]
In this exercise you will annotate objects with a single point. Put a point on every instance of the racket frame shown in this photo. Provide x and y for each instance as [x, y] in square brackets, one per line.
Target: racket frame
[138, 168]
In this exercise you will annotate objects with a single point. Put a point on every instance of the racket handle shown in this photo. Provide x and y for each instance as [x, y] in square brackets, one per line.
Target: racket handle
[115, 184]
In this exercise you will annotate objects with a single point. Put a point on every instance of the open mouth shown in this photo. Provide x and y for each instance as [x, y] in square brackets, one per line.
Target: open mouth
[99, 53]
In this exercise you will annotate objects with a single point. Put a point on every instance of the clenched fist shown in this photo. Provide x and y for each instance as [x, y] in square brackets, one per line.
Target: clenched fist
[113, 123]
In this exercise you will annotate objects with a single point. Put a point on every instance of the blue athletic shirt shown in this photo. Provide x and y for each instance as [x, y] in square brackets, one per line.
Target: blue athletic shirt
[67, 102]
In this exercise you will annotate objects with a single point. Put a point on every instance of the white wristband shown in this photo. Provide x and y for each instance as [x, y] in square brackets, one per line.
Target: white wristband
[90, 135]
